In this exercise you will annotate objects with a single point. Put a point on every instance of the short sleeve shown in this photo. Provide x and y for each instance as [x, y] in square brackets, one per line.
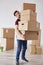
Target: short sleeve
[16, 22]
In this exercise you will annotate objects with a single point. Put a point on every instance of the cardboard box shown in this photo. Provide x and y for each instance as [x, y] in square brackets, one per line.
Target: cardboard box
[23, 25]
[31, 35]
[28, 15]
[28, 26]
[32, 49]
[9, 44]
[35, 49]
[29, 6]
[34, 42]
[39, 50]
[37, 42]
[8, 33]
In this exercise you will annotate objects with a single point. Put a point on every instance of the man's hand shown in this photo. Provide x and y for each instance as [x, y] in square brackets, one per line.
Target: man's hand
[23, 36]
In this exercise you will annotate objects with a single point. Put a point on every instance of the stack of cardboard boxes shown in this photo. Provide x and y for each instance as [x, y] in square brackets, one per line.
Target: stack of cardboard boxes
[7, 38]
[29, 25]
[37, 45]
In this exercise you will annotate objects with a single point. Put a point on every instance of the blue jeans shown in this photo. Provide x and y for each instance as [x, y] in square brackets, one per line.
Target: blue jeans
[21, 44]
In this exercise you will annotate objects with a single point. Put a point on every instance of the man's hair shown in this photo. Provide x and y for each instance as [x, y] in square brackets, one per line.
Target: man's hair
[15, 12]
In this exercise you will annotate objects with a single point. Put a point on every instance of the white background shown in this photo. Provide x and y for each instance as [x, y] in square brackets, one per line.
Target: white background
[7, 7]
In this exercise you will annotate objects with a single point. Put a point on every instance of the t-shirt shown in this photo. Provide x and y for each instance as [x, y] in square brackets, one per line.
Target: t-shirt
[17, 36]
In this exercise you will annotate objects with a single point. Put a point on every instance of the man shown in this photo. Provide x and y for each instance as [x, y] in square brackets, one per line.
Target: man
[21, 43]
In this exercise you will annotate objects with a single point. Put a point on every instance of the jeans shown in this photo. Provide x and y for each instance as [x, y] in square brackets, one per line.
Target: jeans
[21, 44]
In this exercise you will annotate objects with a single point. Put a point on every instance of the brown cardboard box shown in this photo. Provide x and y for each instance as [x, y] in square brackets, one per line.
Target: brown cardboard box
[28, 26]
[8, 33]
[34, 42]
[32, 49]
[23, 25]
[37, 42]
[35, 49]
[9, 44]
[31, 35]
[39, 49]
[28, 15]
[29, 6]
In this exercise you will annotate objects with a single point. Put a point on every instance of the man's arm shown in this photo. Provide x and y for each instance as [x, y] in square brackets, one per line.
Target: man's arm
[18, 32]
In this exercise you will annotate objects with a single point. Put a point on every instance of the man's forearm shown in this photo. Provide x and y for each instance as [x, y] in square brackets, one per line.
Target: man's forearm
[19, 32]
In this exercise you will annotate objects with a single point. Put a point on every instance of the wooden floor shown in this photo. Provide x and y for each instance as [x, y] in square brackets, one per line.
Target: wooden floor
[8, 58]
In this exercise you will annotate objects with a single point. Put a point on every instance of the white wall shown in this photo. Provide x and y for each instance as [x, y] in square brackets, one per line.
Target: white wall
[7, 7]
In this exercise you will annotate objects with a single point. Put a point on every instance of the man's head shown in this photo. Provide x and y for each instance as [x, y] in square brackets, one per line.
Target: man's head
[17, 14]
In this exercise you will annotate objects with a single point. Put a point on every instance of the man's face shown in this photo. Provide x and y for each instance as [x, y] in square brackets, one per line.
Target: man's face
[17, 14]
